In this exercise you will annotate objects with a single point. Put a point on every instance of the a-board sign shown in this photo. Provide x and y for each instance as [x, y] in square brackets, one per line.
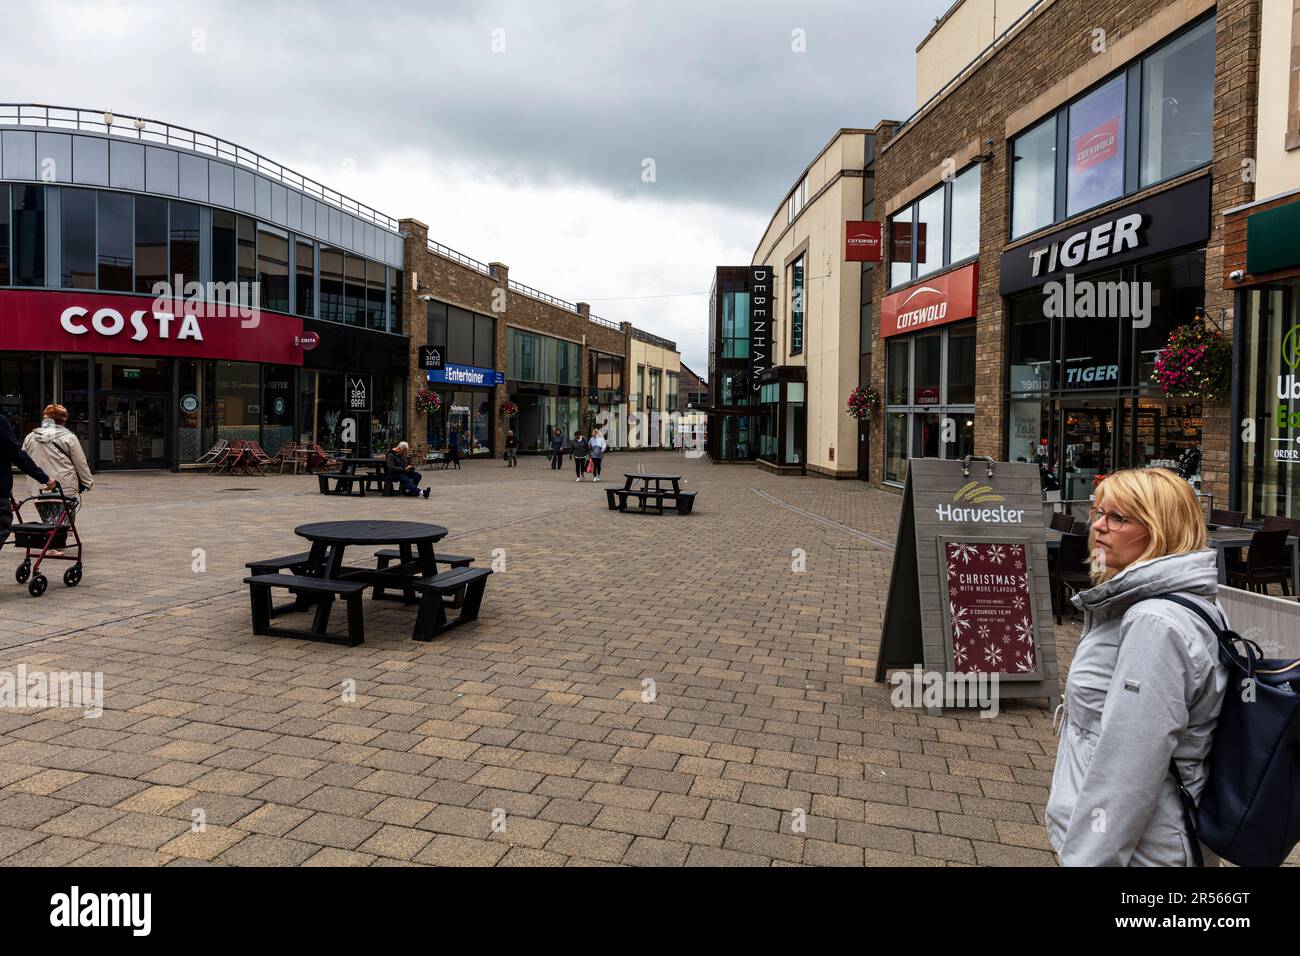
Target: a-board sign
[969, 591]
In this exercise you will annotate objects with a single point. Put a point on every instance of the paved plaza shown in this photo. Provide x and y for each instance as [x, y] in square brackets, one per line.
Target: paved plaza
[638, 689]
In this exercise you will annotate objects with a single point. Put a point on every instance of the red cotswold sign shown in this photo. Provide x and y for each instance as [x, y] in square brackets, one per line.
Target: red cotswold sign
[142, 325]
[936, 301]
[861, 241]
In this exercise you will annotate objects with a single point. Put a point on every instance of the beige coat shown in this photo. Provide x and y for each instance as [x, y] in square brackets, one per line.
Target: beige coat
[59, 454]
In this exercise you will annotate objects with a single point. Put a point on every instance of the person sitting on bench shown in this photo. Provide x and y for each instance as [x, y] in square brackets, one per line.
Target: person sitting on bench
[403, 472]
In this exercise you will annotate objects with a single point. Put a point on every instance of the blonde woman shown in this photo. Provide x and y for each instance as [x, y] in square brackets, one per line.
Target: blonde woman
[1145, 684]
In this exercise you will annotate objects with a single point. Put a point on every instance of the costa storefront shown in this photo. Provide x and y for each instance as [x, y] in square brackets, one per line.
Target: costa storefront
[928, 329]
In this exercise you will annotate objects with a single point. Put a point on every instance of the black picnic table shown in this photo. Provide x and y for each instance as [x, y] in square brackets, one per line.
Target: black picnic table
[375, 466]
[330, 539]
[646, 477]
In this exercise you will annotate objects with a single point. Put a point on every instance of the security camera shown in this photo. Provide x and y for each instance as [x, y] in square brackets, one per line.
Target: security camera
[1236, 275]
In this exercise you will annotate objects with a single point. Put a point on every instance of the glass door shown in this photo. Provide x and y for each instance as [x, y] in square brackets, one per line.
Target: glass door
[132, 430]
[1087, 442]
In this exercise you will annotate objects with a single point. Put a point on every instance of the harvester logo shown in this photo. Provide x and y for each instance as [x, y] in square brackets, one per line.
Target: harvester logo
[972, 494]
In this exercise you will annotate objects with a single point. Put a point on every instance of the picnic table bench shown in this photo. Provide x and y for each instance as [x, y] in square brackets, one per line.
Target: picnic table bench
[648, 496]
[348, 481]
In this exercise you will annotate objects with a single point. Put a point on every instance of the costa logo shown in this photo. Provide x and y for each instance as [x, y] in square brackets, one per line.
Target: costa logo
[110, 322]
[308, 341]
[943, 299]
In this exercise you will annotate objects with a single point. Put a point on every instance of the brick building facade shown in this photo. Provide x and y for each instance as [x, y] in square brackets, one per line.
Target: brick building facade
[1040, 65]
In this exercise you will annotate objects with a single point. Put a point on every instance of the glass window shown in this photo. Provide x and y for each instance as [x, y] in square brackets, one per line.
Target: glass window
[277, 406]
[1090, 349]
[1270, 466]
[961, 364]
[963, 442]
[238, 400]
[965, 215]
[436, 313]
[246, 256]
[183, 235]
[116, 241]
[460, 336]
[928, 373]
[395, 290]
[1029, 422]
[304, 276]
[1178, 105]
[1096, 169]
[484, 341]
[77, 239]
[223, 246]
[28, 225]
[897, 356]
[929, 233]
[1031, 347]
[895, 446]
[796, 306]
[1033, 178]
[735, 326]
[640, 388]
[273, 268]
[150, 243]
[672, 391]
[354, 290]
[927, 430]
[4, 235]
[1177, 289]
[331, 285]
[375, 296]
[900, 246]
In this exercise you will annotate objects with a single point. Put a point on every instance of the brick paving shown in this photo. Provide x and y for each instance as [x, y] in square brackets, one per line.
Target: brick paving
[523, 740]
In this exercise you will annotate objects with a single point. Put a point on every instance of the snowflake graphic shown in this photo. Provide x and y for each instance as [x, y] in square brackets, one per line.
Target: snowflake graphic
[1018, 603]
[958, 653]
[984, 632]
[1019, 565]
[1006, 638]
[1025, 631]
[1022, 582]
[963, 552]
[1025, 662]
[959, 620]
[954, 591]
[996, 554]
[993, 655]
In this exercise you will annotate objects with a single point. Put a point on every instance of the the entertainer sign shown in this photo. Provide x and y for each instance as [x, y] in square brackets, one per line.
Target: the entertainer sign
[467, 375]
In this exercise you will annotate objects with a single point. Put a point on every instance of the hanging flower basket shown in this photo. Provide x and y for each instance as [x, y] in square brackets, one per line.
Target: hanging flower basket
[1195, 363]
[863, 402]
[509, 408]
[427, 400]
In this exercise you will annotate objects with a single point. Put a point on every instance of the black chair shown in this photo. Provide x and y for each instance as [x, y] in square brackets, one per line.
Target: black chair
[1227, 519]
[1062, 522]
[1071, 570]
[1265, 563]
[1279, 522]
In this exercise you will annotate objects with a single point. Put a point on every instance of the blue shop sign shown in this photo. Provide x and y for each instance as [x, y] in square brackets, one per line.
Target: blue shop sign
[467, 375]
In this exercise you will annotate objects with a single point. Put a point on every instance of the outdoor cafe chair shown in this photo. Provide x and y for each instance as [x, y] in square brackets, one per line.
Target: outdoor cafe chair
[214, 453]
[1265, 563]
[1227, 519]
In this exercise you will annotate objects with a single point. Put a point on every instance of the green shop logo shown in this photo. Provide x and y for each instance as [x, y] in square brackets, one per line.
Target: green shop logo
[1288, 387]
[1291, 348]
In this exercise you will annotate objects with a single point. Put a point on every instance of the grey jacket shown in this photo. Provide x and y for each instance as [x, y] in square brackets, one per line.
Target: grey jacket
[1145, 683]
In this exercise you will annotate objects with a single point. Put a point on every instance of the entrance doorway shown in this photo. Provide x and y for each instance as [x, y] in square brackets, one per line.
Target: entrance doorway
[1087, 441]
[132, 430]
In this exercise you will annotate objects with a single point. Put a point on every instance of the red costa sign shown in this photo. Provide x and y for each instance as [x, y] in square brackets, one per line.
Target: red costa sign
[936, 301]
[308, 341]
[861, 241]
[142, 325]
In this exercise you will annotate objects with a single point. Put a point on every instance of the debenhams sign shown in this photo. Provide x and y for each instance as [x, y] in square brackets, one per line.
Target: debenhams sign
[1169, 220]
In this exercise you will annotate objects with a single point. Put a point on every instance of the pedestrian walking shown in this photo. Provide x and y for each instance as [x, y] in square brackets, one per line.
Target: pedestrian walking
[1146, 683]
[596, 448]
[11, 453]
[403, 472]
[59, 454]
[512, 450]
[557, 448]
[579, 454]
[453, 448]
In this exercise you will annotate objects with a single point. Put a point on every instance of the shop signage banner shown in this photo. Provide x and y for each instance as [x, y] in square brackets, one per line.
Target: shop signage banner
[1167, 221]
[761, 290]
[430, 357]
[141, 325]
[969, 590]
[467, 375]
[931, 302]
[862, 241]
[358, 395]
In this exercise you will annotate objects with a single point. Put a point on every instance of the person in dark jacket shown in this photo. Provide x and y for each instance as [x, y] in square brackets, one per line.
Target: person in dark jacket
[11, 453]
[453, 447]
[557, 448]
[579, 447]
[512, 450]
[403, 472]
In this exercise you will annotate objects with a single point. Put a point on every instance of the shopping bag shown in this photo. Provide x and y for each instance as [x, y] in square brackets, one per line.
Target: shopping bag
[590, 466]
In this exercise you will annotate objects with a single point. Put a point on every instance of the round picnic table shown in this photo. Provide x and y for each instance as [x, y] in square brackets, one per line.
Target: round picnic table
[330, 539]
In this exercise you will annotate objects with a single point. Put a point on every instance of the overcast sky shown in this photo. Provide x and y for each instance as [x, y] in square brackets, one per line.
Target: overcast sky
[517, 130]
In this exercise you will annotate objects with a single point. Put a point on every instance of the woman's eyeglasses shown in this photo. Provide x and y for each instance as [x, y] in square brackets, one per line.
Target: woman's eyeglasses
[1114, 520]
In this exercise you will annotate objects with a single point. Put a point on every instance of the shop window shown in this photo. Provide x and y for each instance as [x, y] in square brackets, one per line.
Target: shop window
[484, 341]
[895, 446]
[652, 389]
[354, 290]
[77, 239]
[795, 422]
[375, 296]
[640, 388]
[735, 325]
[223, 246]
[74, 395]
[900, 246]
[1269, 475]
[1178, 105]
[460, 336]
[395, 289]
[150, 243]
[4, 235]
[304, 278]
[246, 257]
[929, 233]
[1096, 161]
[1029, 424]
[28, 235]
[436, 325]
[671, 392]
[897, 358]
[116, 241]
[1030, 347]
[277, 407]
[238, 400]
[1176, 286]
[965, 229]
[189, 433]
[1033, 178]
[1090, 349]
[273, 268]
[386, 419]
[183, 243]
[331, 285]
[961, 365]
[927, 372]
[796, 305]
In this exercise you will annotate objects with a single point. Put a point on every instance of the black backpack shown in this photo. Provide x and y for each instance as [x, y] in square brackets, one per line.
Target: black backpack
[1249, 812]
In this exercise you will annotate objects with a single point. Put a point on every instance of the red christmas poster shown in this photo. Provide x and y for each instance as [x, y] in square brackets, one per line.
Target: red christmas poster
[990, 608]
